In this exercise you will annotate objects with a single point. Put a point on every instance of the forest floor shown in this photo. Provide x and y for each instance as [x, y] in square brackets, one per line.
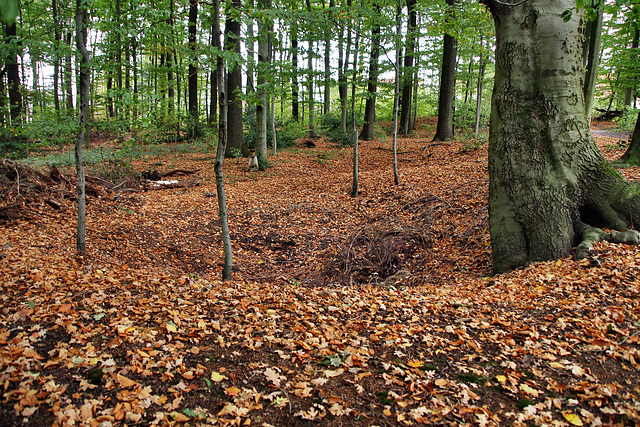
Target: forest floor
[379, 309]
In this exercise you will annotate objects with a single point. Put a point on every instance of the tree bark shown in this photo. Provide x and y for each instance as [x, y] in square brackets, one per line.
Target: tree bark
[327, 66]
[68, 74]
[261, 105]
[193, 62]
[56, 55]
[592, 59]
[13, 74]
[367, 132]
[235, 131]
[220, 154]
[548, 182]
[408, 72]
[444, 129]
[84, 82]
[295, 94]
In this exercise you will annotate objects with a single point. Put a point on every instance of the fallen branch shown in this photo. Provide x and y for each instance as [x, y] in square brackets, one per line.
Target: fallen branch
[164, 185]
[178, 172]
[390, 149]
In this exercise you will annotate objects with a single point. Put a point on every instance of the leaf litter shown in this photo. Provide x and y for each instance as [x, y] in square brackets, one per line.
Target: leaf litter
[374, 310]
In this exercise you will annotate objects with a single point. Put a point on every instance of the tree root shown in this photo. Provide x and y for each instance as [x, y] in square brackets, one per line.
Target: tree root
[592, 235]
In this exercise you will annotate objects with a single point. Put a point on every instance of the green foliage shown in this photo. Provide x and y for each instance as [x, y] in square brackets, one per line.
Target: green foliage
[523, 403]
[287, 132]
[330, 127]
[464, 115]
[628, 120]
[195, 128]
[470, 144]
[55, 128]
[115, 170]
[12, 144]
[472, 378]
[235, 152]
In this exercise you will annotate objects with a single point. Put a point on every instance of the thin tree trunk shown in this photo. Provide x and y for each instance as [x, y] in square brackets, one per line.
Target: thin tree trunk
[68, 74]
[261, 105]
[220, 154]
[354, 131]
[56, 55]
[327, 68]
[85, 74]
[251, 48]
[193, 63]
[171, 61]
[13, 75]
[630, 92]
[396, 93]
[118, 64]
[235, 126]
[213, 104]
[295, 95]
[476, 127]
[593, 59]
[312, 130]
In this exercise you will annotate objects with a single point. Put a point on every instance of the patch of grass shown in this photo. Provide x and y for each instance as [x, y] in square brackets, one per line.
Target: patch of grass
[472, 378]
[523, 403]
[383, 396]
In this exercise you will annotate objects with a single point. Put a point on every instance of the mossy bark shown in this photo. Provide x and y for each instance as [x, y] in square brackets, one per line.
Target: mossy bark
[548, 180]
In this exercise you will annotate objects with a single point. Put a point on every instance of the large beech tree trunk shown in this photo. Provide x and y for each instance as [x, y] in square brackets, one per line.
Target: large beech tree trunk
[548, 182]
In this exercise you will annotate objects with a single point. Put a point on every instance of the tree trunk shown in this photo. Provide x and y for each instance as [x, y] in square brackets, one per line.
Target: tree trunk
[235, 130]
[118, 64]
[444, 129]
[327, 66]
[630, 92]
[251, 48]
[193, 63]
[68, 74]
[396, 93]
[220, 154]
[13, 74]
[295, 95]
[547, 179]
[482, 66]
[408, 71]
[592, 59]
[213, 78]
[56, 55]
[367, 133]
[84, 82]
[312, 130]
[261, 105]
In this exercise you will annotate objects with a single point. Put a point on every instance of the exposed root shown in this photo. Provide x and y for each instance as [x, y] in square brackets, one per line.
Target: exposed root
[593, 235]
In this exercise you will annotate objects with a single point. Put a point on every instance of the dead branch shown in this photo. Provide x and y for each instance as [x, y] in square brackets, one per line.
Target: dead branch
[164, 185]
[178, 172]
